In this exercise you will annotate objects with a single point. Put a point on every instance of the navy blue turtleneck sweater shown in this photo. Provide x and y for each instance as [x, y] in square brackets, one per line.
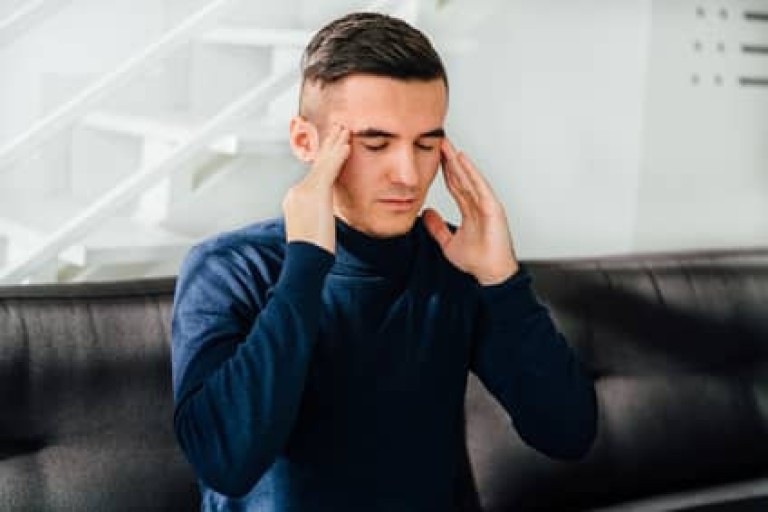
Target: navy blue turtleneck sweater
[305, 381]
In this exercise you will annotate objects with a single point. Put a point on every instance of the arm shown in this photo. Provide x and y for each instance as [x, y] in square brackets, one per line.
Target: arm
[519, 355]
[240, 351]
[239, 370]
[527, 365]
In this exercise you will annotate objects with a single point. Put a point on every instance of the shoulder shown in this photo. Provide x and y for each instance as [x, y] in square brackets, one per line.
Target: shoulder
[261, 236]
[254, 250]
[258, 241]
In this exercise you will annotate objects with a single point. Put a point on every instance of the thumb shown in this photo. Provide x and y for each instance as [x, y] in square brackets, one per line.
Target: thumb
[436, 227]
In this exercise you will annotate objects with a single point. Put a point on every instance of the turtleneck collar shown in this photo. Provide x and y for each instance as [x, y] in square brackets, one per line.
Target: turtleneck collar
[358, 253]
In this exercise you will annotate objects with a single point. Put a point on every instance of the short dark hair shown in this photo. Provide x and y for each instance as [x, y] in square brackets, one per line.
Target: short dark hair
[370, 43]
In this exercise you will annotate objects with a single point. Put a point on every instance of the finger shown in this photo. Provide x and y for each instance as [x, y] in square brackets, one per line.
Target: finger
[460, 189]
[451, 163]
[332, 154]
[455, 167]
[333, 138]
[436, 227]
[340, 142]
[459, 194]
[480, 184]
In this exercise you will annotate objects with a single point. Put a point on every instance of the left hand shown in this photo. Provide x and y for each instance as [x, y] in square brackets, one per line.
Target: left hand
[482, 244]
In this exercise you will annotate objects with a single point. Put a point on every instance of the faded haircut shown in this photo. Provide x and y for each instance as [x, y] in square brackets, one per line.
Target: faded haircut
[373, 44]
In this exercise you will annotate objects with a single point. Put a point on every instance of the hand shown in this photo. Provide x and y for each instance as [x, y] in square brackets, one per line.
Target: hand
[481, 245]
[308, 205]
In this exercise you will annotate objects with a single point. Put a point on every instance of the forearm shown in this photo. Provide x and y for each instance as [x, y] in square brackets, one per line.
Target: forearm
[532, 371]
[239, 399]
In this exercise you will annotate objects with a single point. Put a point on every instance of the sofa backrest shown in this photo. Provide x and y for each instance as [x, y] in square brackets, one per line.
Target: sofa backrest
[678, 345]
[86, 402]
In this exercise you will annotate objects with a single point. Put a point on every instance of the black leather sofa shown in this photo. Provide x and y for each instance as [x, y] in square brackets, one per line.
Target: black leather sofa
[677, 343]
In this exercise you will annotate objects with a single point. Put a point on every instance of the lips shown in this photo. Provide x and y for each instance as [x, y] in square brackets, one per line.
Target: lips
[398, 203]
[398, 199]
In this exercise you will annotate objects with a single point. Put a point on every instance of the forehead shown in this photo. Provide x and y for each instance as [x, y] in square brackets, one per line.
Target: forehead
[398, 106]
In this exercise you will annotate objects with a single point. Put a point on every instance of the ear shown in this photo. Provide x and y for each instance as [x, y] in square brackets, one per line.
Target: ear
[304, 138]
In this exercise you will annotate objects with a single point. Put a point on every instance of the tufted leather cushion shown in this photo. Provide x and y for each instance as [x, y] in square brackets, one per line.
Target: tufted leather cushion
[85, 400]
[678, 344]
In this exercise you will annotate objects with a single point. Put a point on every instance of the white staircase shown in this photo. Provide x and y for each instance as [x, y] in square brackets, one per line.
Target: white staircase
[255, 137]
[105, 188]
[116, 241]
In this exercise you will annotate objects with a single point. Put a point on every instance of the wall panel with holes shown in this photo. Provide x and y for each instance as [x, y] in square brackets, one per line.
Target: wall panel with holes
[704, 178]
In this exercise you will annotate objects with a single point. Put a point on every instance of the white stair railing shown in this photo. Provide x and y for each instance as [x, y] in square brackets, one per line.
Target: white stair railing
[145, 177]
[79, 105]
[19, 21]
[150, 174]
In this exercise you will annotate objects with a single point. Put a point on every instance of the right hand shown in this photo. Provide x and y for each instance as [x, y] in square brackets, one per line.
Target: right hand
[308, 205]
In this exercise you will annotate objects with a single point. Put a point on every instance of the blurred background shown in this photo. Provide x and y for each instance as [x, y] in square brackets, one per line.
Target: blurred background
[132, 129]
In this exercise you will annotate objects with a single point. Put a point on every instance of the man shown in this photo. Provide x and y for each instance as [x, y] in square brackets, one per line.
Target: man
[320, 359]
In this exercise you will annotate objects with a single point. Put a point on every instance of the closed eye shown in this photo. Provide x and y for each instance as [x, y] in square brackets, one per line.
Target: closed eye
[425, 147]
[375, 147]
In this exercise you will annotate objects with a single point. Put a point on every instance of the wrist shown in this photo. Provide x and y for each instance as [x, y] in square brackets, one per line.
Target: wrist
[305, 266]
[497, 275]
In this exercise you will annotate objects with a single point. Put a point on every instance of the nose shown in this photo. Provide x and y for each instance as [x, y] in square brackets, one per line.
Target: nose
[404, 170]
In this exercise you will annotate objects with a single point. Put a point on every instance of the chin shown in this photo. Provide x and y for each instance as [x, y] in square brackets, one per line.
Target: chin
[396, 226]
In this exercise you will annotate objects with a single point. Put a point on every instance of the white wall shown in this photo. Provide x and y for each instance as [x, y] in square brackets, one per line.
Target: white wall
[586, 117]
[550, 105]
[704, 179]
[61, 54]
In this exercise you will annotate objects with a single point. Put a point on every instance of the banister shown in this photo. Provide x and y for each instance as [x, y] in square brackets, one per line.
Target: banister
[77, 106]
[27, 14]
[145, 177]
[151, 173]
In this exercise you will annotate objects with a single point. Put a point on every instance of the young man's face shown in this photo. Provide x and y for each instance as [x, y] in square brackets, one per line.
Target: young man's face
[396, 127]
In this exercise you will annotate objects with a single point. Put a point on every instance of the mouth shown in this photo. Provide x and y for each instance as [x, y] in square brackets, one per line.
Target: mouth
[398, 204]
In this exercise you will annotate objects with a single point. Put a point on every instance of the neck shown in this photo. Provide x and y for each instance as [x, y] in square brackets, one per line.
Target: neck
[362, 253]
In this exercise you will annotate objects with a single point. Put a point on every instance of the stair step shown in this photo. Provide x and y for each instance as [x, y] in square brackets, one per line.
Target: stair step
[259, 137]
[17, 239]
[118, 241]
[24, 215]
[123, 241]
[254, 136]
[245, 191]
[94, 273]
[170, 128]
[258, 37]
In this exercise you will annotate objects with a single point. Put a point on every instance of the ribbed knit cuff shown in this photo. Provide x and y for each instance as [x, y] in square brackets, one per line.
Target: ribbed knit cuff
[512, 297]
[305, 267]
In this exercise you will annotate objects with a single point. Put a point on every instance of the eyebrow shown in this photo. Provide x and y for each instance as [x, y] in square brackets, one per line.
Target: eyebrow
[376, 132]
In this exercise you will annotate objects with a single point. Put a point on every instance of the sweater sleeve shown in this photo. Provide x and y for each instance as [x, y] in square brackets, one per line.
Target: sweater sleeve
[527, 365]
[239, 363]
